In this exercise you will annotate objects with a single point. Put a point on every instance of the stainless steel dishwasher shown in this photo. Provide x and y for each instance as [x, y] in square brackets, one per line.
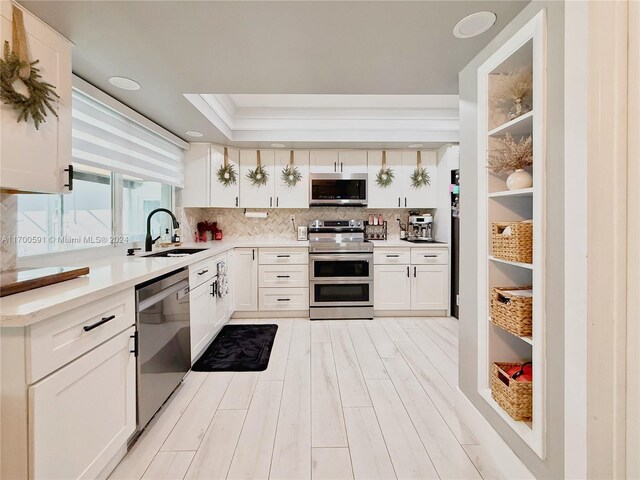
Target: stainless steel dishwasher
[163, 340]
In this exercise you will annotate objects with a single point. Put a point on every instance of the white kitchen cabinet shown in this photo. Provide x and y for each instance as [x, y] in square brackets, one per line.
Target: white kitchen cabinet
[34, 160]
[245, 279]
[392, 287]
[83, 414]
[298, 195]
[323, 161]
[257, 196]
[224, 196]
[352, 161]
[430, 287]
[230, 277]
[201, 185]
[203, 314]
[391, 196]
[424, 197]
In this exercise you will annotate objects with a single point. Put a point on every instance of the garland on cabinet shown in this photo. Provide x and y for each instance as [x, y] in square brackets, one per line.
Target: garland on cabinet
[290, 174]
[226, 173]
[258, 176]
[385, 175]
[420, 177]
[15, 66]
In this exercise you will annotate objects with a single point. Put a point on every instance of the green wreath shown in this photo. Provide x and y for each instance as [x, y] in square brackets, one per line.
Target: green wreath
[41, 94]
[420, 178]
[384, 177]
[227, 175]
[258, 177]
[290, 176]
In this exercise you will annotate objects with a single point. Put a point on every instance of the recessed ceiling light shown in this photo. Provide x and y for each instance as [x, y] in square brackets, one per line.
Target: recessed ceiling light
[124, 83]
[474, 24]
[415, 145]
[194, 133]
[278, 145]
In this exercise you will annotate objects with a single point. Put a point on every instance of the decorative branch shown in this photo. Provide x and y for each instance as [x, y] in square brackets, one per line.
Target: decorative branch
[507, 155]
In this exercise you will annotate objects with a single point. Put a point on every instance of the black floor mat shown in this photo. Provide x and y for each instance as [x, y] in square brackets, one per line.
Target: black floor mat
[238, 348]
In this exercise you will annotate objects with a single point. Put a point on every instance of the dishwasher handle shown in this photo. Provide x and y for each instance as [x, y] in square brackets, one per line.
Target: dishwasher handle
[182, 287]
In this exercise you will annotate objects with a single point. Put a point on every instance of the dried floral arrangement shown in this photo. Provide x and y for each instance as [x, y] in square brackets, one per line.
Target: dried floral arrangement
[41, 95]
[226, 173]
[507, 155]
[512, 88]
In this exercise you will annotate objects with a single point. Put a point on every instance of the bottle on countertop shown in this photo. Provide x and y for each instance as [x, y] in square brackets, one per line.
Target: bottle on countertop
[176, 237]
[166, 238]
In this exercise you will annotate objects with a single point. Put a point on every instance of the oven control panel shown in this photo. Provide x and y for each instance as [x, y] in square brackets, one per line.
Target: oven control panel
[336, 224]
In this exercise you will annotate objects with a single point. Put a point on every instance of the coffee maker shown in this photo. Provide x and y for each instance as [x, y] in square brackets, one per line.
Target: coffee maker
[420, 227]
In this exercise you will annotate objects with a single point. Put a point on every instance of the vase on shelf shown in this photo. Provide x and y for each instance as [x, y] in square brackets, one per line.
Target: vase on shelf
[519, 179]
[519, 108]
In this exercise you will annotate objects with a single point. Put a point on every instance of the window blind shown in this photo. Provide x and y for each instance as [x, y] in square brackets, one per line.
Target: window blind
[105, 138]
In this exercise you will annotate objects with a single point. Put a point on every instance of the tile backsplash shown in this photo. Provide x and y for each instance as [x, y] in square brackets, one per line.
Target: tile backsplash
[278, 224]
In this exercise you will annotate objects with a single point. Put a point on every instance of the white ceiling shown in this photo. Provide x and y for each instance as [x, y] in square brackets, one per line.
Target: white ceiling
[266, 47]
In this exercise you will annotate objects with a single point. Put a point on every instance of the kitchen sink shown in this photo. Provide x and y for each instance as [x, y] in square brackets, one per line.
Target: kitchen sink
[176, 251]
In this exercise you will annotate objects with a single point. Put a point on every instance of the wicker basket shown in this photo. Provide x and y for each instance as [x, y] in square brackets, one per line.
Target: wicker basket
[513, 396]
[512, 312]
[517, 247]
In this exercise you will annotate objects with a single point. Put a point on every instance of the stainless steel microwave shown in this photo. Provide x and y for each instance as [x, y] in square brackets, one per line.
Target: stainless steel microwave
[338, 189]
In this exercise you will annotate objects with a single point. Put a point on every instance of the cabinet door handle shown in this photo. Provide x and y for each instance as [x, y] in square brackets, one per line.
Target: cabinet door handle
[405, 201]
[98, 323]
[415, 269]
[236, 201]
[253, 254]
[203, 272]
[335, 166]
[283, 276]
[398, 201]
[408, 275]
[135, 344]
[271, 201]
[341, 165]
[214, 289]
[70, 184]
[393, 256]
[283, 256]
[284, 299]
[277, 201]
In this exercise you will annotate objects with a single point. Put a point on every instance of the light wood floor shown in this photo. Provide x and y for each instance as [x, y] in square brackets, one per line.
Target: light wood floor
[340, 400]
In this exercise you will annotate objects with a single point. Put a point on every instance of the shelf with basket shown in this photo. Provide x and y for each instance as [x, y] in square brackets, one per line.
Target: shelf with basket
[511, 326]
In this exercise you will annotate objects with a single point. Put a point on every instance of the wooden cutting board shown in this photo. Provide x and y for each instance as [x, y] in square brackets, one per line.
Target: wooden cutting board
[23, 279]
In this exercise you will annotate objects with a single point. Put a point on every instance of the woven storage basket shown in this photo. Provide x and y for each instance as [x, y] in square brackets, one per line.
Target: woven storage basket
[512, 312]
[517, 247]
[513, 396]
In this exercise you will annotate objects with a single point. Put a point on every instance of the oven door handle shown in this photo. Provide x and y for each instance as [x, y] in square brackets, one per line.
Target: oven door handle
[341, 257]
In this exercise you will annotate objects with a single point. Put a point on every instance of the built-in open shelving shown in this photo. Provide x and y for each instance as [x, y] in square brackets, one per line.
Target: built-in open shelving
[498, 204]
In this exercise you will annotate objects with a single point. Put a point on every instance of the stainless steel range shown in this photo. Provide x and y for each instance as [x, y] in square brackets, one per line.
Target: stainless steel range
[340, 270]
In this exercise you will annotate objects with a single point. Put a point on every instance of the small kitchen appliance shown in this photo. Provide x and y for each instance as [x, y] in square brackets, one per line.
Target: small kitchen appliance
[340, 270]
[420, 227]
[338, 189]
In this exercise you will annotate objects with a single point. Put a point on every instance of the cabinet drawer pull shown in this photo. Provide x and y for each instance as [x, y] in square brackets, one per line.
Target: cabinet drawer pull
[98, 323]
[283, 276]
[283, 256]
[203, 272]
[284, 299]
[393, 256]
[430, 256]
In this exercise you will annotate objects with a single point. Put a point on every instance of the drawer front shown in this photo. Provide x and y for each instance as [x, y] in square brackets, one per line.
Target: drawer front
[283, 256]
[271, 299]
[424, 256]
[284, 276]
[57, 341]
[388, 256]
[202, 271]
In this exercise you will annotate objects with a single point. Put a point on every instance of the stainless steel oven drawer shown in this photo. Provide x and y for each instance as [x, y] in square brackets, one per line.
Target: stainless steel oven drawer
[336, 293]
[346, 267]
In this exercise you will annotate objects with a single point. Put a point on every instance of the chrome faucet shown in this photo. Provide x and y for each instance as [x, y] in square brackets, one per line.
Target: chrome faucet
[148, 241]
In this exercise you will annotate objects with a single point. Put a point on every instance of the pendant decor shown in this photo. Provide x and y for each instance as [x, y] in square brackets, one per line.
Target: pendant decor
[226, 173]
[420, 178]
[385, 175]
[15, 68]
[259, 175]
[291, 175]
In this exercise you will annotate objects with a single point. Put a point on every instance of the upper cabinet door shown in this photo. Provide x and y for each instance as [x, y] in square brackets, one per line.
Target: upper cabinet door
[257, 196]
[288, 196]
[196, 176]
[422, 197]
[225, 196]
[352, 161]
[324, 161]
[391, 196]
[34, 160]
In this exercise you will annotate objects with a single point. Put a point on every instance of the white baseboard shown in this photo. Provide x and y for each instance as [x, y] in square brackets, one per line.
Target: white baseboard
[278, 314]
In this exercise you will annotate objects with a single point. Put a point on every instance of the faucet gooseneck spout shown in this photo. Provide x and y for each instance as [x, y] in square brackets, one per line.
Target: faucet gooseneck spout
[148, 241]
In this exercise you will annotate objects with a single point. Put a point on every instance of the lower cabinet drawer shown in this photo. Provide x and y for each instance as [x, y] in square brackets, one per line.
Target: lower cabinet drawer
[433, 256]
[389, 256]
[202, 271]
[283, 299]
[55, 342]
[282, 256]
[284, 276]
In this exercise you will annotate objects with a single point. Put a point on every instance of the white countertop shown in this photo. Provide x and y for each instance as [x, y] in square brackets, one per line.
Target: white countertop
[115, 273]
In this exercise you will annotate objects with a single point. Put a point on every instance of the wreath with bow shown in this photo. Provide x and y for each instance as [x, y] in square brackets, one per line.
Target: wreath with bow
[290, 174]
[258, 176]
[420, 178]
[226, 173]
[385, 175]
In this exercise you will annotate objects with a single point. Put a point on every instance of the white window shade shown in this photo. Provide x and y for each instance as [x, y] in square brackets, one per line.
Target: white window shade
[105, 138]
